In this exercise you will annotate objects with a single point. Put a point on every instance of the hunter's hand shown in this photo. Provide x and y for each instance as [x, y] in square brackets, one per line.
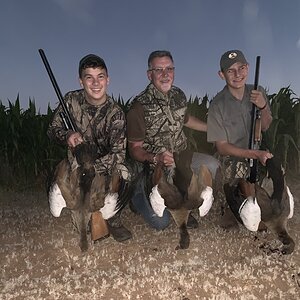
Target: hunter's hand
[263, 156]
[166, 158]
[257, 99]
[74, 140]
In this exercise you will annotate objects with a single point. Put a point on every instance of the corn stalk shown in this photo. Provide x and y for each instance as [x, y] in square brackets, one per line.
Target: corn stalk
[282, 138]
[27, 155]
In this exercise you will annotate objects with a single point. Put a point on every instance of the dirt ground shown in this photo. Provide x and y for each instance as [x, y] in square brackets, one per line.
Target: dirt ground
[40, 258]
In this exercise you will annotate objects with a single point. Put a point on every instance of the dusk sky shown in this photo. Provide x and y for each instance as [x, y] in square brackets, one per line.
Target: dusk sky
[124, 32]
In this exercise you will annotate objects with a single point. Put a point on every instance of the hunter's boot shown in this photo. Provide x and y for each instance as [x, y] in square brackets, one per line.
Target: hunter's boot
[117, 230]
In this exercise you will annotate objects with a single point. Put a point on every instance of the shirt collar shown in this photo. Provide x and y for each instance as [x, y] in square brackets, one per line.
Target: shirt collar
[158, 94]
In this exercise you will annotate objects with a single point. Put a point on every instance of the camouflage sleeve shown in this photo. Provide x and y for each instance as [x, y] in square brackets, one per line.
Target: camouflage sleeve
[57, 130]
[116, 130]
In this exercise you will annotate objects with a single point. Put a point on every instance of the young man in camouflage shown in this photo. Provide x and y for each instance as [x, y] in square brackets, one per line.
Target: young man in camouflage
[99, 121]
[229, 122]
[155, 129]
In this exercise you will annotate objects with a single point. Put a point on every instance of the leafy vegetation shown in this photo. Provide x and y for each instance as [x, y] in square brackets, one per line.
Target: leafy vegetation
[27, 156]
[198, 107]
[283, 136]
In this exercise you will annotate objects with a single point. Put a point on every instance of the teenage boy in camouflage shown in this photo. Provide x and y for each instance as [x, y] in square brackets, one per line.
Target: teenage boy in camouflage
[100, 121]
[155, 130]
[229, 121]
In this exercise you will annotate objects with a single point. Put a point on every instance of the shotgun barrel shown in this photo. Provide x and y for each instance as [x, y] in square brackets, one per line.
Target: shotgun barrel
[66, 117]
[254, 141]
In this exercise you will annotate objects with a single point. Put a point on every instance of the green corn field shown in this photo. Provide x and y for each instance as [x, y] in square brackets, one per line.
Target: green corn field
[28, 157]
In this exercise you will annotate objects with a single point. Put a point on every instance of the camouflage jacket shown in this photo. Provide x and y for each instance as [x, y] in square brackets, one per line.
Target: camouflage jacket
[104, 126]
[164, 118]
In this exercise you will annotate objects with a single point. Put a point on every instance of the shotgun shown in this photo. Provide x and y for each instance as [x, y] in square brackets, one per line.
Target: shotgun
[255, 131]
[65, 114]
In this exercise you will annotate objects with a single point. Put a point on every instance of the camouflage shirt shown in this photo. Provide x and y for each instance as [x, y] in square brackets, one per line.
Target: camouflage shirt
[102, 125]
[159, 124]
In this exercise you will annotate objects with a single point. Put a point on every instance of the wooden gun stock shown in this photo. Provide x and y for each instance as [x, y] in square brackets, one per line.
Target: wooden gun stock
[257, 131]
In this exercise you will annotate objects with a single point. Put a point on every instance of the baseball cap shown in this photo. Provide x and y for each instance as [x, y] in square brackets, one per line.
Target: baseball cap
[231, 57]
[91, 61]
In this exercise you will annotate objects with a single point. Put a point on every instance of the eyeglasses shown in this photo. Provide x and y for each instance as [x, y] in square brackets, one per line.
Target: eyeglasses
[160, 71]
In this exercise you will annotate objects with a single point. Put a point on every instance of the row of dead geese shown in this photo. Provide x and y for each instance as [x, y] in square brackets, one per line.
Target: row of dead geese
[179, 189]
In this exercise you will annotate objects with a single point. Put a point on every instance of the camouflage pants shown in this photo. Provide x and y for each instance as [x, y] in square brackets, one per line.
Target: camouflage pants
[230, 170]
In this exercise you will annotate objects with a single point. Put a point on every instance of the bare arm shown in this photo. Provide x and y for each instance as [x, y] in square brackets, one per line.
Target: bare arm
[225, 148]
[266, 118]
[196, 124]
[258, 99]
[138, 153]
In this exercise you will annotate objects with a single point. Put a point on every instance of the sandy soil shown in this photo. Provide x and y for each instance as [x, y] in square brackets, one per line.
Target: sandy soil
[40, 258]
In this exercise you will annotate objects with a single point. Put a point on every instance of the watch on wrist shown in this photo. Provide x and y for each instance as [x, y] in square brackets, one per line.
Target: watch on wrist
[261, 108]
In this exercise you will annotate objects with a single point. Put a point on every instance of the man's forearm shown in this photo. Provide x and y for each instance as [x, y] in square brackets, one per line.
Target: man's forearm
[266, 118]
[196, 124]
[232, 150]
[140, 154]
